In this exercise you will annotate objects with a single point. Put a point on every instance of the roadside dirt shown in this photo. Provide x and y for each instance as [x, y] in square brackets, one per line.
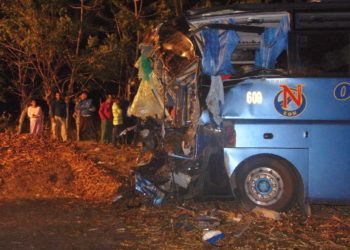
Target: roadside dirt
[37, 168]
[58, 196]
[74, 224]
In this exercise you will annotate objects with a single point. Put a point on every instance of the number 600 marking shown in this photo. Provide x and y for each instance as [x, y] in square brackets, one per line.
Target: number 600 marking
[254, 97]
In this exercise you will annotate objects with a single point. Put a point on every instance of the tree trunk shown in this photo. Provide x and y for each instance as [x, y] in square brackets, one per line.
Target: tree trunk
[138, 34]
[177, 6]
[47, 100]
[22, 118]
[74, 70]
[68, 96]
[77, 123]
[67, 121]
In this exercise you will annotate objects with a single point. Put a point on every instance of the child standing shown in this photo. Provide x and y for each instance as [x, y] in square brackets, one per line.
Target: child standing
[117, 119]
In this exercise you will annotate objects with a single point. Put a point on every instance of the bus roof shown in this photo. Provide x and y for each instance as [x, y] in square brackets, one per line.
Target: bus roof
[236, 8]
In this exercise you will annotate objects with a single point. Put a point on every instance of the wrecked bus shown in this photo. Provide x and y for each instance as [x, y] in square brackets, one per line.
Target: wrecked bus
[267, 90]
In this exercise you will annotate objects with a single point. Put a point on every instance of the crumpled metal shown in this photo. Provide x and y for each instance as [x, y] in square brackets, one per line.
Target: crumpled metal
[147, 188]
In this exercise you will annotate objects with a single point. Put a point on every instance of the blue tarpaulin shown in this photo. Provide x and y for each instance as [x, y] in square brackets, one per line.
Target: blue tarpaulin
[273, 42]
[217, 52]
[216, 60]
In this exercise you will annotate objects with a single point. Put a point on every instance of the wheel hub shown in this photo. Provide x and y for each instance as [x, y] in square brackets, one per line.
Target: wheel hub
[264, 186]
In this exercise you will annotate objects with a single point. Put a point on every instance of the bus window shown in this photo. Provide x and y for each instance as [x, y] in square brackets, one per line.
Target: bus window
[322, 54]
[244, 60]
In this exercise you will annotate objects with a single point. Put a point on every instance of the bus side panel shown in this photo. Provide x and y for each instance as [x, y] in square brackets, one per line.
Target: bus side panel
[298, 157]
[271, 134]
[321, 103]
[329, 169]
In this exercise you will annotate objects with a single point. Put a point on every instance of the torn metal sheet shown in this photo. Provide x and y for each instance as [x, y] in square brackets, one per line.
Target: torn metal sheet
[166, 175]
[181, 179]
[152, 179]
[147, 188]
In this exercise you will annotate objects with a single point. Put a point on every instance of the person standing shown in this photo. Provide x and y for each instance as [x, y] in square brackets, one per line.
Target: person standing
[117, 120]
[105, 113]
[76, 116]
[35, 115]
[58, 116]
[85, 110]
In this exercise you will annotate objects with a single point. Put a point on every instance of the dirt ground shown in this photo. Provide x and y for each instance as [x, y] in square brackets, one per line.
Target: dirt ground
[58, 196]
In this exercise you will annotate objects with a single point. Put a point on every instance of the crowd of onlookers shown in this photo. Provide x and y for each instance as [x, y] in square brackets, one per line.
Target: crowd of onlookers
[110, 113]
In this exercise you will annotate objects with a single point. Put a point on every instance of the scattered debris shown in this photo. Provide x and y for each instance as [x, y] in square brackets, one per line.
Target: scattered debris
[212, 236]
[181, 179]
[187, 226]
[231, 216]
[206, 221]
[189, 211]
[267, 213]
[241, 230]
[117, 197]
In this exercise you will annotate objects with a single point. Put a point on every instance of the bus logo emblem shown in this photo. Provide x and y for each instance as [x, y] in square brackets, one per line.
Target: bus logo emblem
[290, 102]
[342, 91]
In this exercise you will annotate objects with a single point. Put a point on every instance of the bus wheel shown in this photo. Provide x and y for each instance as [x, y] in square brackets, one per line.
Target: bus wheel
[267, 182]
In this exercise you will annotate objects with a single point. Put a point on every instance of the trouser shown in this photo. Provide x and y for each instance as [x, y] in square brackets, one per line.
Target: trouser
[106, 131]
[87, 129]
[59, 126]
[117, 129]
[36, 126]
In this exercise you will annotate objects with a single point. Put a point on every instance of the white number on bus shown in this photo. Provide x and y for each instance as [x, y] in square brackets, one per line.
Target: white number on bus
[254, 97]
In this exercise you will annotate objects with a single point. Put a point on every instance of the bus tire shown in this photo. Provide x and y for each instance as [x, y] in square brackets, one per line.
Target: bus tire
[267, 182]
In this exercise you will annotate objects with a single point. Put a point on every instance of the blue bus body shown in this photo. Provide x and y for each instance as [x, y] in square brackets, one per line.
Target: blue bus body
[297, 121]
[271, 84]
[315, 139]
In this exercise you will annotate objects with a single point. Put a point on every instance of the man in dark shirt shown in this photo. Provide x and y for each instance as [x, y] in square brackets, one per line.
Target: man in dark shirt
[85, 110]
[58, 116]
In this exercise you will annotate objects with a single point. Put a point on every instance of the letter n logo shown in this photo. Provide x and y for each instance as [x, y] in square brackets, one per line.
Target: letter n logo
[290, 102]
[288, 95]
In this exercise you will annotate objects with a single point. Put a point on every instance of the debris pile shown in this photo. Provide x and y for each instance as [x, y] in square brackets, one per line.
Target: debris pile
[202, 225]
[36, 168]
